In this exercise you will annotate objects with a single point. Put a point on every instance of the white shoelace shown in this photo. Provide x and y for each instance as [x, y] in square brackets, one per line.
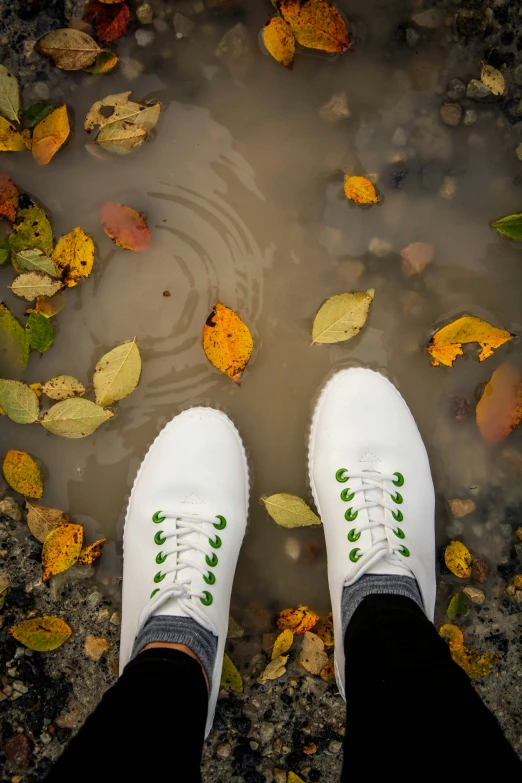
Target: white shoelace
[185, 524]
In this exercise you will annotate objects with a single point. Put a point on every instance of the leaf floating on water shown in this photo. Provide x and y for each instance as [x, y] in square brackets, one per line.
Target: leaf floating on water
[27, 138]
[290, 511]
[109, 22]
[105, 62]
[279, 40]
[117, 374]
[9, 95]
[493, 79]
[22, 474]
[453, 636]
[50, 135]
[121, 137]
[511, 226]
[32, 230]
[19, 402]
[73, 256]
[275, 669]
[499, 410]
[48, 306]
[341, 317]
[40, 332]
[36, 113]
[312, 656]
[316, 24]
[61, 549]
[360, 190]
[69, 49]
[75, 418]
[328, 673]
[41, 520]
[10, 139]
[283, 643]
[125, 226]
[227, 342]
[139, 114]
[297, 620]
[459, 605]
[41, 634]
[458, 559]
[63, 387]
[34, 261]
[14, 347]
[446, 344]
[91, 552]
[29, 285]
[8, 198]
[230, 677]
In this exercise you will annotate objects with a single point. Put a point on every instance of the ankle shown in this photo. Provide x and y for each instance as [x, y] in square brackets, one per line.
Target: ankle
[182, 648]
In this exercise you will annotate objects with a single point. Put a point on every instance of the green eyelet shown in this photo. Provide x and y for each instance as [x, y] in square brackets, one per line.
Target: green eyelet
[354, 557]
[156, 517]
[210, 579]
[399, 533]
[349, 516]
[222, 523]
[400, 479]
[340, 477]
[160, 558]
[212, 563]
[208, 598]
[398, 498]
[397, 515]
[346, 496]
[353, 536]
[159, 577]
[154, 592]
[215, 544]
[404, 551]
[158, 539]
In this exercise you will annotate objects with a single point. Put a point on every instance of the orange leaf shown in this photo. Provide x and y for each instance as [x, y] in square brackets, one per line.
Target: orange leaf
[41, 633]
[360, 190]
[8, 198]
[499, 410]
[316, 24]
[91, 552]
[453, 635]
[279, 40]
[297, 620]
[10, 139]
[126, 226]
[476, 665]
[227, 342]
[61, 549]
[23, 474]
[324, 630]
[446, 343]
[50, 134]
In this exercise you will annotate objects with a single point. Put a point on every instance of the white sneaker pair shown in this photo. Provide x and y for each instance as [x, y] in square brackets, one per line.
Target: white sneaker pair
[187, 513]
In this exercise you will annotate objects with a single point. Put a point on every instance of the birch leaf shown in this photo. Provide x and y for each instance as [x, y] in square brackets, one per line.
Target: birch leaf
[328, 672]
[47, 305]
[227, 342]
[22, 474]
[341, 317]
[69, 49]
[14, 347]
[75, 418]
[34, 260]
[139, 114]
[29, 285]
[458, 559]
[316, 24]
[117, 374]
[50, 135]
[446, 344]
[459, 605]
[360, 190]
[9, 95]
[10, 139]
[312, 656]
[510, 226]
[230, 677]
[275, 669]
[91, 552]
[61, 549]
[121, 137]
[40, 332]
[41, 520]
[63, 387]
[297, 620]
[279, 40]
[283, 643]
[19, 402]
[31, 230]
[73, 256]
[41, 634]
[290, 511]
[105, 62]
[125, 226]
[493, 79]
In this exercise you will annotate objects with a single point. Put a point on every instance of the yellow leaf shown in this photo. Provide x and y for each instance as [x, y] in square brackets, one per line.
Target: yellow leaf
[476, 665]
[50, 134]
[230, 677]
[23, 474]
[61, 549]
[37, 388]
[458, 559]
[446, 343]
[290, 511]
[297, 620]
[293, 778]
[499, 410]
[453, 636]
[493, 79]
[328, 672]
[10, 139]
[95, 646]
[73, 256]
[227, 342]
[341, 317]
[313, 657]
[283, 643]
[316, 24]
[105, 62]
[27, 138]
[275, 669]
[41, 633]
[360, 190]
[279, 40]
[324, 630]
[41, 520]
[91, 552]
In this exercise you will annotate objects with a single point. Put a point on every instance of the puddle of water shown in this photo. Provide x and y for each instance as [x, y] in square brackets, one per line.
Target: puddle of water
[242, 191]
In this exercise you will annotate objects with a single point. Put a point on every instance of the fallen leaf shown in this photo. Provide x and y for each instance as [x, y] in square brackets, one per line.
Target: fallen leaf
[312, 656]
[493, 79]
[50, 135]
[47, 306]
[279, 40]
[19, 402]
[14, 347]
[341, 317]
[41, 520]
[36, 113]
[22, 474]
[461, 508]
[73, 256]
[316, 24]
[69, 49]
[415, 258]
[476, 665]
[8, 198]
[105, 62]
[297, 620]
[61, 549]
[230, 677]
[41, 634]
[31, 230]
[10, 139]
[276, 668]
[75, 418]
[360, 190]
[37, 388]
[95, 647]
[459, 605]
[121, 137]
[499, 410]
[293, 778]
[63, 387]
[91, 552]
[34, 261]
[9, 95]
[109, 21]
[324, 630]
[227, 342]
[511, 226]
[139, 114]
[117, 374]
[290, 511]
[328, 672]
[125, 226]
[40, 332]
[283, 643]
[453, 636]
[4, 252]
[29, 285]
[458, 559]
[446, 343]
[27, 138]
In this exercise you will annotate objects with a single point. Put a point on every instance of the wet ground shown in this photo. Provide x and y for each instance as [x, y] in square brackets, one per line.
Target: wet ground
[241, 185]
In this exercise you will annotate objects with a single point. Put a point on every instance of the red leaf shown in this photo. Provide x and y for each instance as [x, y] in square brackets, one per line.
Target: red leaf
[8, 198]
[109, 21]
[126, 226]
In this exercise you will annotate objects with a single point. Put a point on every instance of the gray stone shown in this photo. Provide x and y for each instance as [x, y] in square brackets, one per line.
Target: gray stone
[517, 75]
[45, 738]
[131, 68]
[477, 91]
[412, 37]
[470, 117]
[144, 13]
[42, 90]
[456, 90]
[266, 732]
[74, 574]
[183, 26]
[431, 18]
[234, 629]
[144, 37]
[234, 45]
[11, 509]
[451, 113]
[94, 599]
[455, 529]
[335, 109]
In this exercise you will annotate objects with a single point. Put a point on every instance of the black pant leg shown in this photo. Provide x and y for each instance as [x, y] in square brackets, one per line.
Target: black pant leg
[410, 708]
[148, 727]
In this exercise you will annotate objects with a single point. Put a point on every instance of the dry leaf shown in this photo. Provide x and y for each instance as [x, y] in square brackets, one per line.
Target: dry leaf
[297, 620]
[453, 636]
[75, 418]
[499, 410]
[227, 342]
[117, 373]
[328, 673]
[14, 348]
[29, 285]
[279, 40]
[476, 665]
[125, 226]
[73, 256]
[63, 387]
[324, 630]
[493, 79]
[22, 474]
[31, 230]
[61, 549]
[9, 95]
[48, 306]
[415, 258]
[19, 402]
[27, 138]
[41, 633]
[312, 656]
[8, 198]
[290, 511]
[341, 317]
[446, 343]
[105, 62]
[360, 190]
[230, 677]
[121, 137]
[50, 135]
[276, 668]
[10, 139]
[458, 559]
[69, 49]
[91, 552]
[139, 114]
[109, 22]
[283, 643]
[41, 520]
[316, 24]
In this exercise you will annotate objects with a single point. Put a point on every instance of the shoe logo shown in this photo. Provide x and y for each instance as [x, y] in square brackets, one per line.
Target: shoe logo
[193, 499]
[369, 457]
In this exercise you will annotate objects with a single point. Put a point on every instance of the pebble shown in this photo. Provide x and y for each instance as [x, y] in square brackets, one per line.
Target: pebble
[224, 750]
[451, 113]
[234, 44]
[103, 615]
[336, 108]
[470, 117]
[412, 37]
[266, 732]
[415, 258]
[455, 529]
[160, 25]
[42, 90]
[7, 690]
[130, 69]
[253, 745]
[292, 549]
[95, 647]
[461, 508]
[429, 19]
[476, 90]
[448, 188]
[379, 247]
[94, 599]
[400, 137]
[144, 37]
[115, 618]
[144, 13]
[45, 738]
[519, 151]
[70, 718]
[475, 595]
[183, 26]
[74, 574]
[456, 90]
[11, 509]
[471, 23]
[20, 687]
[18, 750]
[335, 746]
[480, 571]
[235, 631]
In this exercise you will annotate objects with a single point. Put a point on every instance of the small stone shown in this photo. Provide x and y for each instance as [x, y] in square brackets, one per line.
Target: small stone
[415, 258]
[336, 108]
[45, 738]
[471, 23]
[480, 571]
[115, 618]
[519, 151]
[510, 590]
[399, 138]
[224, 750]
[183, 26]
[130, 68]
[18, 750]
[277, 745]
[448, 188]
[412, 37]
[10, 508]
[75, 573]
[95, 647]
[470, 117]
[160, 25]
[144, 13]
[461, 508]
[517, 581]
[476, 90]
[455, 529]
[379, 247]
[235, 631]
[7, 690]
[253, 745]
[451, 113]
[17, 779]
[93, 599]
[103, 615]
[20, 687]
[456, 90]
[292, 548]
[335, 746]
[266, 732]
[430, 19]
[518, 533]
[234, 49]
[518, 596]
[144, 37]
[517, 75]
[42, 90]
[70, 718]
[475, 595]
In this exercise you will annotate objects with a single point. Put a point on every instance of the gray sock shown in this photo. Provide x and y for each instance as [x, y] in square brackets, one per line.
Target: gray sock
[180, 630]
[370, 584]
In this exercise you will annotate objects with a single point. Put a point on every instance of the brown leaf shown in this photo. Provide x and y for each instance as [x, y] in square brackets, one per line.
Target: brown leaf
[312, 656]
[41, 520]
[8, 198]
[91, 552]
[71, 50]
[316, 24]
[499, 410]
[125, 226]
[61, 549]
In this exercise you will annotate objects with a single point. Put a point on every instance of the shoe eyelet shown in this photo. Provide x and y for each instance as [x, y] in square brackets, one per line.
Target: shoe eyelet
[160, 558]
[353, 536]
[354, 557]
[400, 479]
[158, 539]
[207, 600]
[212, 563]
[399, 533]
[349, 516]
[159, 577]
[210, 579]
[340, 475]
[157, 518]
[397, 515]
[215, 544]
[222, 523]
[397, 498]
[404, 551]
[154, 592]
[346, 495]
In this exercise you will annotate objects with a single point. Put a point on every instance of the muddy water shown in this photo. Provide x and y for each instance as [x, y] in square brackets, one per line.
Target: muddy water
[241, 186]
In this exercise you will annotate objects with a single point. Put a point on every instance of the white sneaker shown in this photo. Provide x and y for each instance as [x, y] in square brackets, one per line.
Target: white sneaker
[185, 522]
[372, 486]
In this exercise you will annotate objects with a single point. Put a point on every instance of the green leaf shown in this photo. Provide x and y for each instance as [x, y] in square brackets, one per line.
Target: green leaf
[29, 285]
[121, 137]
[117, 373]
[75, 418]
[40, 332]
[31, 230]
[230, 677]
[459, 604]
[290, 511]
[19, 402]
[14, 346]
[63, 387]
[36, 113]
[4, 253]
[9, 95]
[34, 260]
[341, 317]
[41, 633]
[511, 226]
